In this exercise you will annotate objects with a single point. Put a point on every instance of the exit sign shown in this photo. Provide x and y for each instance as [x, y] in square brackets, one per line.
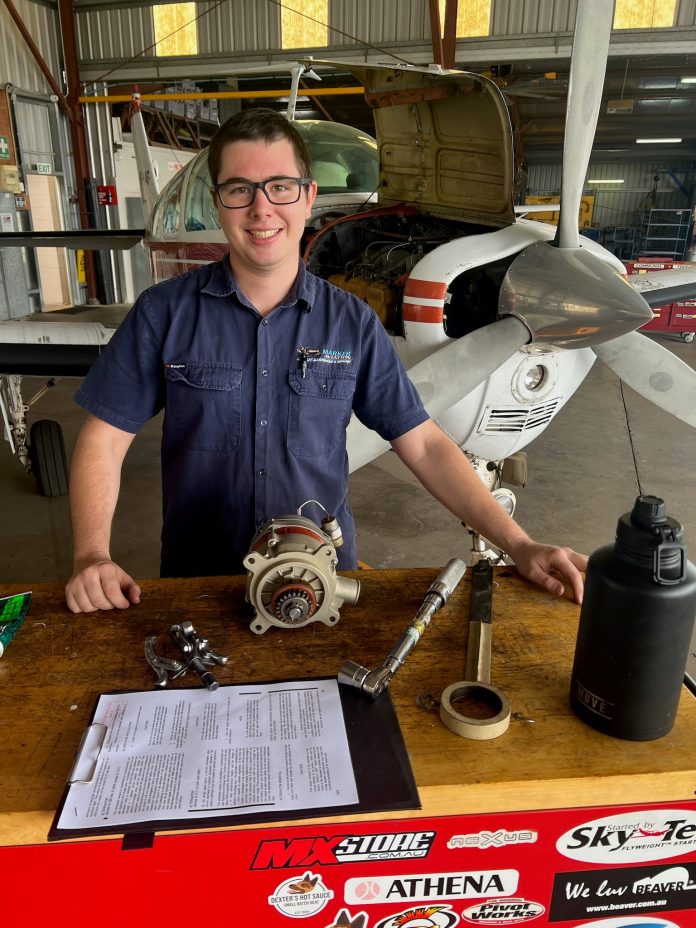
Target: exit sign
[43, 167]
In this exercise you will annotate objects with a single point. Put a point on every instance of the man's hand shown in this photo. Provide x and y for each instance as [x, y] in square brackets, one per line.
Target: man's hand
[101, 584]
[546, 564]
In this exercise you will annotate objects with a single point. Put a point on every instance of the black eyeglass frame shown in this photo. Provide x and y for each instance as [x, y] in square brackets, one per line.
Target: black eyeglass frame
[261, 185]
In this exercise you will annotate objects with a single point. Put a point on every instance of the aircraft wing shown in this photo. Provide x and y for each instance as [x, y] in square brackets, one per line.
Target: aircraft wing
[86, 239]
[51, 349]
[660, 287]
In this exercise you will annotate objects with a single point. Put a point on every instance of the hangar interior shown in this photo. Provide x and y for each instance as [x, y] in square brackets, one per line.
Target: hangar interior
[546, 795]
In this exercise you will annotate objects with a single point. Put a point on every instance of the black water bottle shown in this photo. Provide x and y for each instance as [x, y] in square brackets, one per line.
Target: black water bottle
[636, 623]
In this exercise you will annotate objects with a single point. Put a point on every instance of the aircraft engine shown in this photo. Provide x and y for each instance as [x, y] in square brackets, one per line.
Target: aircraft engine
[372, 255]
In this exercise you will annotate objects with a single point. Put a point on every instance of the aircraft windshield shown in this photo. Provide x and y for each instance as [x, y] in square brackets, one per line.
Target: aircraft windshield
[344, 162]
[343, 159]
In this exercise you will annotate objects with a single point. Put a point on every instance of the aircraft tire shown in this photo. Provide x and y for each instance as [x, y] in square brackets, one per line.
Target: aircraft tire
[48, 462]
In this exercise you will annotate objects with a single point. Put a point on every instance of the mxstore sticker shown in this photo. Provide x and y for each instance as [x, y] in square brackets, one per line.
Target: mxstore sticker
[322, 851]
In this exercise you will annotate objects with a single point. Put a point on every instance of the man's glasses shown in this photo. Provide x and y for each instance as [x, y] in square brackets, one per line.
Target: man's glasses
[239, 192]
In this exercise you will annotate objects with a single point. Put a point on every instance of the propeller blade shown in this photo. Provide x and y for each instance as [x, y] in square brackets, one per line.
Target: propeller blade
[587, 67]
[654, 372]
[445, 377]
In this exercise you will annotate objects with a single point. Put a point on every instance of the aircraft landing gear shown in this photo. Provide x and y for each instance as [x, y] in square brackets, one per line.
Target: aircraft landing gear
[47, 458]
[44, 454]
[688, 337]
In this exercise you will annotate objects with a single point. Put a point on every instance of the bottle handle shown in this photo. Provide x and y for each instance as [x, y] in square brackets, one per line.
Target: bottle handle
[663, 548]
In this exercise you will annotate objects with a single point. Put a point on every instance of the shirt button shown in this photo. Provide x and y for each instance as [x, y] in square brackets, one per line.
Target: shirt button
[264, 322]
[261, 472]
[324, 387]
[264, 373]
[263, 423]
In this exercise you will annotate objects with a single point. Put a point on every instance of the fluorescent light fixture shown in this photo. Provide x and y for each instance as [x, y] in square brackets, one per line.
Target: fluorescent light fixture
[656, 141]
[687, 80]
[613, 180]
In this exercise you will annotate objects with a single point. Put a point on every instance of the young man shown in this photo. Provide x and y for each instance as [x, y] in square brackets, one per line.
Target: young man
[254, 421]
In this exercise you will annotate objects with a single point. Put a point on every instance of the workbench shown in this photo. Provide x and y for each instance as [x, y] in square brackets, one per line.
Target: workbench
[528, 826]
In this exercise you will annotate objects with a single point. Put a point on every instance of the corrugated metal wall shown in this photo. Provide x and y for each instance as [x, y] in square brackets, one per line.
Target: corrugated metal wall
[619, 205]
[115, 34]
[249, 28]
[17, 65]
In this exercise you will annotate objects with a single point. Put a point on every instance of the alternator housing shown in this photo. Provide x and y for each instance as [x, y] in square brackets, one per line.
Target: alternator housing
[292, 579]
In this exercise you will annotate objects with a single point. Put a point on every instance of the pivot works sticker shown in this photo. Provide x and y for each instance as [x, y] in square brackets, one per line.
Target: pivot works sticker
[300, 896]
[651, 834]
[321, 851]
[432, 886]
[503, 912]
[623, 891]
[427, 916]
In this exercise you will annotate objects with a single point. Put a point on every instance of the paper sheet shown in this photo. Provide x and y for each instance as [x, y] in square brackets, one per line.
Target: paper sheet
[195, 754]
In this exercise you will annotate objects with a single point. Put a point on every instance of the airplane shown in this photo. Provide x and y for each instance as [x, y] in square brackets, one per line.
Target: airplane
[497, 318]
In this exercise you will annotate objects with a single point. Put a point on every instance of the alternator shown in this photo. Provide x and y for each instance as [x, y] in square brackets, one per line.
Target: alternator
[292, 578]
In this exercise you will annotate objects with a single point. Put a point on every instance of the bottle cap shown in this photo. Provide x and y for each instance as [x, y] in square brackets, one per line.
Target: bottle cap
[649, 538]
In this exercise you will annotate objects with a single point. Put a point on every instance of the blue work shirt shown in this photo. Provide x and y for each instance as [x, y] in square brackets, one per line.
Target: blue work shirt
[247, 437]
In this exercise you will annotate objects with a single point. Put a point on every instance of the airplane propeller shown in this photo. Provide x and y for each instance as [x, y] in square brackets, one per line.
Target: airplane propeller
[557, 293]
[444, 377]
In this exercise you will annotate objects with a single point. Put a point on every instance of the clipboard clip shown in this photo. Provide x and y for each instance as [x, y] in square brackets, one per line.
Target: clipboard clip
[87, 754]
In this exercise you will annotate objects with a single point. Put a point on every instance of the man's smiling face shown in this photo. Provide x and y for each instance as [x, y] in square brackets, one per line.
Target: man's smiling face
[264, 237]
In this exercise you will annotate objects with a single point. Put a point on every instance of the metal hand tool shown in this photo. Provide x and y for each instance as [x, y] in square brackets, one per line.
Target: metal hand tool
[374, 682]
[197, 653]
[166, 668]
[492, 707]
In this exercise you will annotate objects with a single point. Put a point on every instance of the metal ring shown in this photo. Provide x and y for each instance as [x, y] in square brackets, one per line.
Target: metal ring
[464, 725]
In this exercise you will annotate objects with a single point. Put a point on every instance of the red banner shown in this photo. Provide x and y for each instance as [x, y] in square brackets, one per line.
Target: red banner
[614, 867]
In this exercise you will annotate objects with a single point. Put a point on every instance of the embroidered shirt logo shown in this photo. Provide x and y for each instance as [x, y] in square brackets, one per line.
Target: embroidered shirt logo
[335, 356]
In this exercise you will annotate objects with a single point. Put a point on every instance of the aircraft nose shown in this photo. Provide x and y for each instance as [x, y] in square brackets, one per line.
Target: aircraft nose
[570, 298]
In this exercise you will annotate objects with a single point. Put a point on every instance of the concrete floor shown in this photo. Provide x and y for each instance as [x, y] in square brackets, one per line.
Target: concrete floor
[585, 470]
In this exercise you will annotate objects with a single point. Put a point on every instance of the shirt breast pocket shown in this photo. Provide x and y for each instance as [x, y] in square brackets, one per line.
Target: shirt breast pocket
[319, 412]
[204, 404]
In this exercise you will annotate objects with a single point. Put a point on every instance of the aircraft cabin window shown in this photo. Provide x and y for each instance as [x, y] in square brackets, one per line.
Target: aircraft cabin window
[167, 208]
[200, 213]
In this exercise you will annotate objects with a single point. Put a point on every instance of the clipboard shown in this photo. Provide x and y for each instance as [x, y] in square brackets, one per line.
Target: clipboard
[381, 766]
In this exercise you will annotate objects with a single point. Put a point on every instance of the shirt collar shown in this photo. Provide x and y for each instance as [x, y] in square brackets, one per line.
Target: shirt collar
[222, 282]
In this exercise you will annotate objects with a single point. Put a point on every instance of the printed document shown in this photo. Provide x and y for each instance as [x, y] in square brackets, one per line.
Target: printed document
[195, 754]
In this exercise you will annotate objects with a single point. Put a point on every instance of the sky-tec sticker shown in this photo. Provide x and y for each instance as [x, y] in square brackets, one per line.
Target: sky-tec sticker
[623, 891]
[319, 850]
[650, 834]
[424, 887]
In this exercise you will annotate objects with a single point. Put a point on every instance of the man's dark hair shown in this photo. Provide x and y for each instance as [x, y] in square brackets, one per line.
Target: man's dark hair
[257, 125]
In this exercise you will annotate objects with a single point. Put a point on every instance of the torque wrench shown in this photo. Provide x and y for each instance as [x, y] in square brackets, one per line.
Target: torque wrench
[374, 682]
